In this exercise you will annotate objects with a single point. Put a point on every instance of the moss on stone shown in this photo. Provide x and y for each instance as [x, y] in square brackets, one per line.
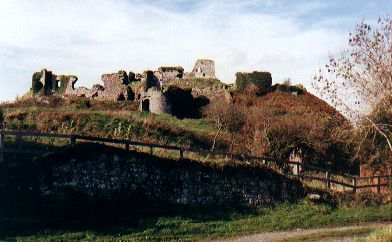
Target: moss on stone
[36, 83]
[64, 80]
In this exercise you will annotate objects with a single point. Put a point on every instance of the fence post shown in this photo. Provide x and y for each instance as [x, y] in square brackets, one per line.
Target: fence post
[328, 177]
[2, 139]
[181, 153]
[355, 184]
[126, 146]
[298, 170]
[151, 150]
[379, 184]
[19, 142]
[72, 141]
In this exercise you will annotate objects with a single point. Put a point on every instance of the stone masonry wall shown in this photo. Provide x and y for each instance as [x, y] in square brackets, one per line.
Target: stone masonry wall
[116, 88]
[204, 69]
[106, 171]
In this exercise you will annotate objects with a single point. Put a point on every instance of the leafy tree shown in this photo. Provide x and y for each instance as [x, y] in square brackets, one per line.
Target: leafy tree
[359, 83]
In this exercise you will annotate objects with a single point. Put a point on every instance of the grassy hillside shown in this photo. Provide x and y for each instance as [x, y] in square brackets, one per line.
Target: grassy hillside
[271, 125]
[105, 119]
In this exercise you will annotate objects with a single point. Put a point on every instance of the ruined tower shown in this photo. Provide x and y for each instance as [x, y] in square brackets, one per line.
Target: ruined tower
[204, 68]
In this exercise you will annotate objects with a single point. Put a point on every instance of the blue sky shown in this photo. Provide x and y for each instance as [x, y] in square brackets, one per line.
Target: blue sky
[89, 38]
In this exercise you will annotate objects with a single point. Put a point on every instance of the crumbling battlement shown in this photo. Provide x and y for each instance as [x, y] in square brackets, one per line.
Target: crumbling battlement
[122, 86]
[115, 88]
[47, 83]
[169, 72]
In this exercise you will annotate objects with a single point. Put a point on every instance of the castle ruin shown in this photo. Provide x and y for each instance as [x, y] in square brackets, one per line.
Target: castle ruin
[146, 88]
[204, 68]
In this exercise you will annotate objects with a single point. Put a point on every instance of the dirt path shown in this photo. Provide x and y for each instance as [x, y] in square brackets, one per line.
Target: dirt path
[281, 235]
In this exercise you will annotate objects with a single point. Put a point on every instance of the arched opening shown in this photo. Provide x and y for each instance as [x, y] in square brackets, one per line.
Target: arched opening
[146, 105]
[121, 97]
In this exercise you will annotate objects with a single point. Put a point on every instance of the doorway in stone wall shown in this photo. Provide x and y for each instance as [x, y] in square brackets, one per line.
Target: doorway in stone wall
[146, 105]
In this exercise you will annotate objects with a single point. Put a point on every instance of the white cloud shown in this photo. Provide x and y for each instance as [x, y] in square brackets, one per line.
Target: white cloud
[89, 38]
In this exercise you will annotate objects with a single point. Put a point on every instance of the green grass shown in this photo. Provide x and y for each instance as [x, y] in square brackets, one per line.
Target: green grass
[380, 235]
[132, 125]
[196, 224]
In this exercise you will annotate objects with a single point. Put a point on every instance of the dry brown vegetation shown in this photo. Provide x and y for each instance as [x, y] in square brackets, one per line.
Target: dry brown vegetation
[277, 123]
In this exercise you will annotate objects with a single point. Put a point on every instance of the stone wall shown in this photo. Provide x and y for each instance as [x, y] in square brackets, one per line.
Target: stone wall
[169, 72]
[99, 172]
[204, 68]
[116, 87]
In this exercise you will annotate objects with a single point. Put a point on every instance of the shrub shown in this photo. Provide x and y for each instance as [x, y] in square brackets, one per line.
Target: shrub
[36, 85]
[262, 80]
[226, 115]
[365, 198]
[286, 87]
[81, 103]
[99, 87]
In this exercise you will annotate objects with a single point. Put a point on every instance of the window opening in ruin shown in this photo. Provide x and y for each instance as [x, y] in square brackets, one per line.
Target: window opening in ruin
[146, 105]
[121, 97]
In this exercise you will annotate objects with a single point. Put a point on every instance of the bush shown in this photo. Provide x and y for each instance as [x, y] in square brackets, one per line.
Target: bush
[226, 115]
[81, 103]
[285, 87]
[364, 199]
[261, 80]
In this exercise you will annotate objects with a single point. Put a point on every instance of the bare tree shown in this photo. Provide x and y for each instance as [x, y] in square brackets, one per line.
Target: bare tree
[360, 81]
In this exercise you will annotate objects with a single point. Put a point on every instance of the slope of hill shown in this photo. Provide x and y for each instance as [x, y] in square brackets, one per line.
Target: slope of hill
[275, 124]
[279, 124]
[105, 119]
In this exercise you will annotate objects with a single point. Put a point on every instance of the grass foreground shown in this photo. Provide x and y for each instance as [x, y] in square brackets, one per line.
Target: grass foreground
[196, 224]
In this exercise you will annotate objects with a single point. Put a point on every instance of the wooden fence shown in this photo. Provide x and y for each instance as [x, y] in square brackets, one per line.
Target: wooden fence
[302, 171]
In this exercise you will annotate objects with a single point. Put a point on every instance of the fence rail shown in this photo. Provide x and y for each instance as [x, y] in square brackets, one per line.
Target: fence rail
[297, 167]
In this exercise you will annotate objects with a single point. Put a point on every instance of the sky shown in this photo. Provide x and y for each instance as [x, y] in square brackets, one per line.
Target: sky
[291, 39]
